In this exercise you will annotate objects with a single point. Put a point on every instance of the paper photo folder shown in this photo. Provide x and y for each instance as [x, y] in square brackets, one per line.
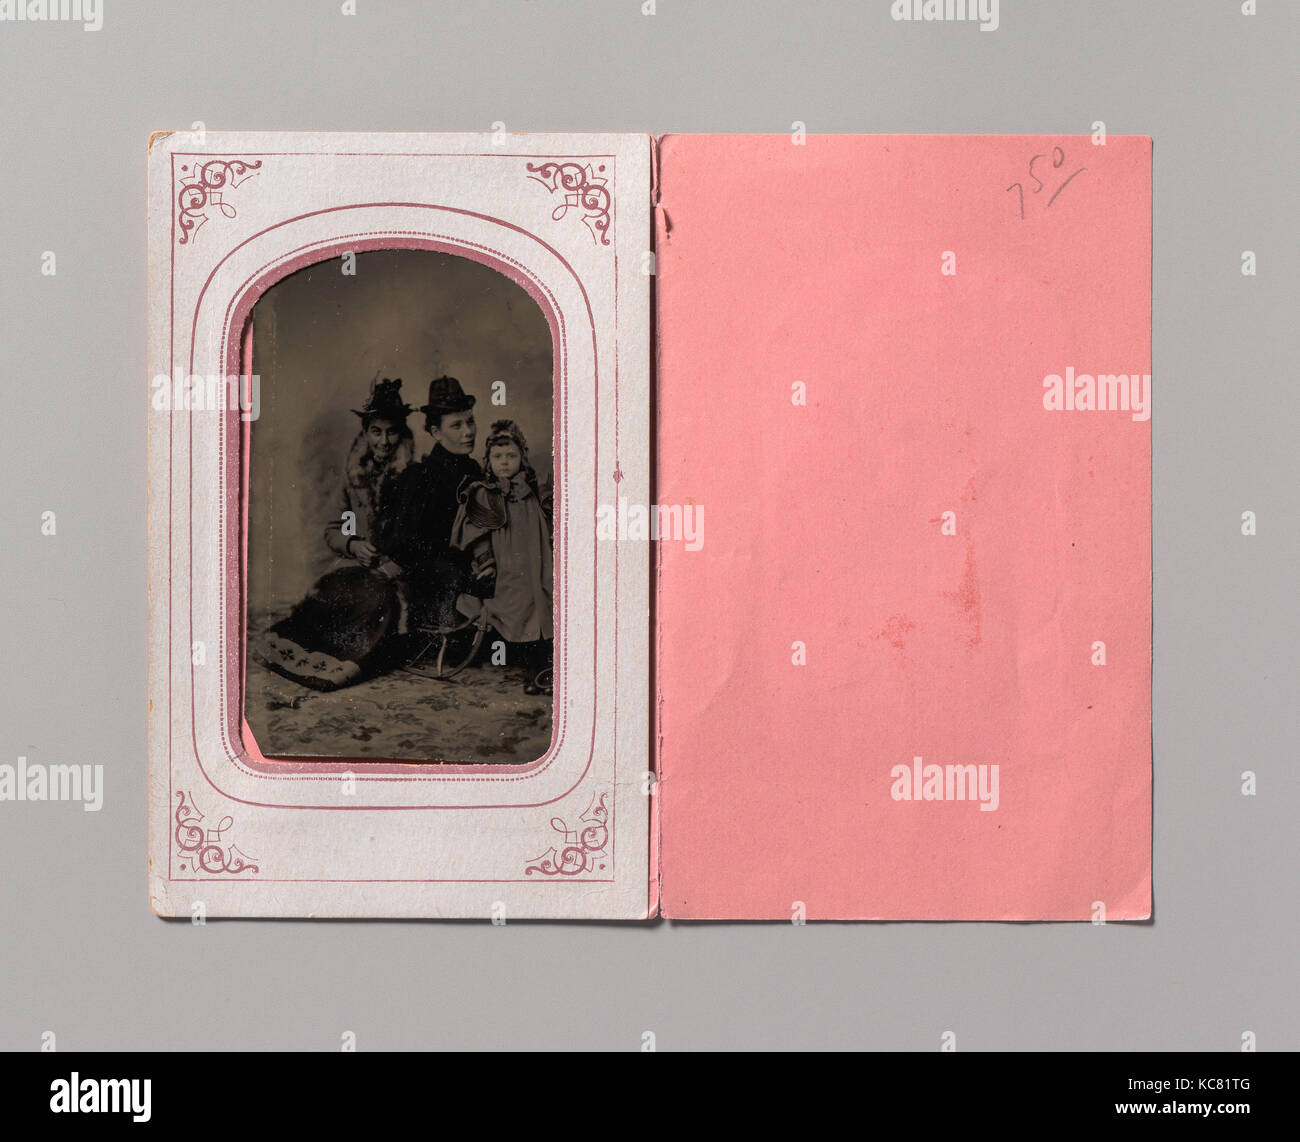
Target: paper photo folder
[920, 553]
[869, 418]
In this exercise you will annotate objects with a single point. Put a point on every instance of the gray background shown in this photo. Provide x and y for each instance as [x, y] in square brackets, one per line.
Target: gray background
[80, 952]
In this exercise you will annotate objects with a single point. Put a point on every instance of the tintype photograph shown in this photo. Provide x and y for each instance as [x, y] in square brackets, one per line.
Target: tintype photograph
[400, 490]
[395, 667]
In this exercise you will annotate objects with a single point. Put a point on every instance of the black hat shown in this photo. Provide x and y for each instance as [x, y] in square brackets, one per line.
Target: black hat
[385, 402]
[446, 395]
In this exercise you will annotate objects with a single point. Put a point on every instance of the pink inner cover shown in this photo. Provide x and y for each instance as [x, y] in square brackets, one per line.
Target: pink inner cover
[823, 525]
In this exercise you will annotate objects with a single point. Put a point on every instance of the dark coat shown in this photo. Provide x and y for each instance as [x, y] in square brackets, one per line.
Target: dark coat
[415, 531]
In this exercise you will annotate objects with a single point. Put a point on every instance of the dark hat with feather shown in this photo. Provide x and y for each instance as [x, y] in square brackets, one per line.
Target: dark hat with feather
[385, 403]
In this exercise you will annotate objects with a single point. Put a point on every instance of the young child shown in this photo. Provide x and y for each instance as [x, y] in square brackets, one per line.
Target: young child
[504, 511]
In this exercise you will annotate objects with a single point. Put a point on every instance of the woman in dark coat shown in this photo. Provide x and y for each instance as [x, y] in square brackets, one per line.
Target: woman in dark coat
[343, 630]
[416, 534]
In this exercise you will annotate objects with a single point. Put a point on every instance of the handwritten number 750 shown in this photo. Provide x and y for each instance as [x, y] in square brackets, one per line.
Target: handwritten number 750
[1058, 161]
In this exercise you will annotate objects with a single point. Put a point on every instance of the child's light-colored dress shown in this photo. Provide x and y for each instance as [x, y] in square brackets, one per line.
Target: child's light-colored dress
[520, 606]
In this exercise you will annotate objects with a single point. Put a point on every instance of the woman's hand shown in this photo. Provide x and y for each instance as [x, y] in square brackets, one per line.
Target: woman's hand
[364, 553]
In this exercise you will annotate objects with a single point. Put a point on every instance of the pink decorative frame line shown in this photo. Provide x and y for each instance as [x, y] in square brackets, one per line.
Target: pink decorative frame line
[233, 455]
